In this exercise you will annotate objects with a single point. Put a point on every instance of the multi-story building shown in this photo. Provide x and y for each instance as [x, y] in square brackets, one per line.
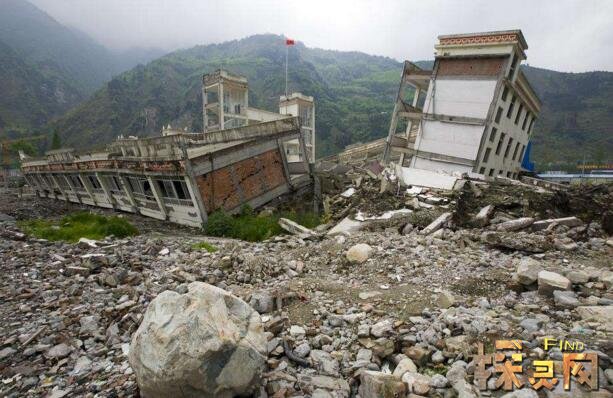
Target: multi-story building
[298, 104]
[225, 104]
[182, 177]
[473, 112]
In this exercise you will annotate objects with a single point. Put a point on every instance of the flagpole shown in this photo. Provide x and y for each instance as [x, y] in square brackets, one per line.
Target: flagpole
[286, 59]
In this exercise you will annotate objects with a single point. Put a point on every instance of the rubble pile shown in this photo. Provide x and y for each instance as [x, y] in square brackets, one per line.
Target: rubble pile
[392, 305]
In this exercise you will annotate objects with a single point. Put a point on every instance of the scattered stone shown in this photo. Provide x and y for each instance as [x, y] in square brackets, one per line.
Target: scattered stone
[377, 384]
[570, 222]
[550, 281]
[528, 270]
[359, 253]
[437, 224]
[295, 228]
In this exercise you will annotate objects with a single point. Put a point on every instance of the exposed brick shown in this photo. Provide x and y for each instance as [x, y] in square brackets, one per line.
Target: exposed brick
[470, 66]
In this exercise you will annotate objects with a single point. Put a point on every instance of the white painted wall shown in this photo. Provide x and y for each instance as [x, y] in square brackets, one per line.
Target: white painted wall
[466, 97]
[459, 140]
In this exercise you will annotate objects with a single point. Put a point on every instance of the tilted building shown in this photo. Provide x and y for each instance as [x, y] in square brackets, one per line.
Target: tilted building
[240, 159]
[473, 112]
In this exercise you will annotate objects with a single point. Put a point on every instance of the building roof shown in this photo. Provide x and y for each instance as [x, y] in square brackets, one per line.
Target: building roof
[498, 36]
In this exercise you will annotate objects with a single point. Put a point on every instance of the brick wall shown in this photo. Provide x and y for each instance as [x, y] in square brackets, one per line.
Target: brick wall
[240, 182]
[470, 66]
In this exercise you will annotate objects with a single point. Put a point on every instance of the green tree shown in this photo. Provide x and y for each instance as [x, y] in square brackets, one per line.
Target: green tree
[56, 142]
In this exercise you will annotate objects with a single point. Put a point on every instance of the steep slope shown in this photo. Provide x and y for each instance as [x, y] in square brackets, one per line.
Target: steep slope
[47, 68]
[29, 98]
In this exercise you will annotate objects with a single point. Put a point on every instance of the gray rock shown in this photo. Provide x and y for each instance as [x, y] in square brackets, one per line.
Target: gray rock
[59, 351]
[302, 350]
[262, 302]
[527, 270]
[383, 328]
[578, 277]
[523, 393]
[445, 299]
[565, 299]
[405, 365]
[439, 381]
[417, 383]
[202, 343]
[358, 254]
[378, 384]
[325, 363]
[550, 281]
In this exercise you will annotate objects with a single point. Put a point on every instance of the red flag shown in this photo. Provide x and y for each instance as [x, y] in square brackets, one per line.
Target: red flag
[289, 42]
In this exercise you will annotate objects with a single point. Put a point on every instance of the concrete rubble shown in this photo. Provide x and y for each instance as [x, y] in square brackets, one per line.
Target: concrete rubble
[391, 305]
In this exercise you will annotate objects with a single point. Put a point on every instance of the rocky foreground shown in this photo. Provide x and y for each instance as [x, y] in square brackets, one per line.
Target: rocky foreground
[391, 307]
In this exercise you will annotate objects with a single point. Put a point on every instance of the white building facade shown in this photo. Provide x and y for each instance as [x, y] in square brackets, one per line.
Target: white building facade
[473, 112]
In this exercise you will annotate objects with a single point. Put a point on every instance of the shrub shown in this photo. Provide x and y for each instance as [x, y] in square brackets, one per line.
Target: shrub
[251, 227]
[79, 225]
[204, 246]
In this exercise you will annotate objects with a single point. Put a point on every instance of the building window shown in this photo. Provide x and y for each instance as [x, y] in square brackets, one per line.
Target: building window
[95, 184]
[486, 155]
[114, 185]
[511, 105]
[500, 173]
[499, 146]
[515, 150]
[75, 182]
[493, 134]
[523, 124]
[519, 110]
[482, 170]
[505, 92]
[508, 174]
[141, 189]
[513, 66]
[498, 115]
[175, 192]
[509, 144]
[521, 154]
[491, 173]
[530, 126]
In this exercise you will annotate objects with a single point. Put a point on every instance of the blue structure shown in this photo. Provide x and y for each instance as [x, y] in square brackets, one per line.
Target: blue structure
[526, 164]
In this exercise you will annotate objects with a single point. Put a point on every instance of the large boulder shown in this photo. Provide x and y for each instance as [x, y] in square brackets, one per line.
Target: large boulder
[550, 281]
[358, 254]
[204, 343]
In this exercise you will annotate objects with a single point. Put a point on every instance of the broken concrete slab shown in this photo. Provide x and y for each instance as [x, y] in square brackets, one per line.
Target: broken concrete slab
[425, 178]
[515, 225]
[566, 221]
[483, 217]
[294, 228]
[436, 224]
[347, 226]
[518, 241]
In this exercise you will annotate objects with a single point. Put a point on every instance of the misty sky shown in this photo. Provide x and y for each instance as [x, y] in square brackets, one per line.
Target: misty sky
[563, 35]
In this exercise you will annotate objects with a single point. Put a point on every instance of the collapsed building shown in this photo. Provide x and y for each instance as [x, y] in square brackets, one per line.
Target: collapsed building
[474, 112]
[245, 156]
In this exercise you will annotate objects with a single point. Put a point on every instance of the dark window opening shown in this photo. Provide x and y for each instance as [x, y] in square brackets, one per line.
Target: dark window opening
[493, 134]
[505, 92]
[491, 173]
[511, 105]
[482, 170]
[498, 115]
[523, 125]
[486, 155]
[519, 110]
[506, 151]
[500, 141]
[515, 150]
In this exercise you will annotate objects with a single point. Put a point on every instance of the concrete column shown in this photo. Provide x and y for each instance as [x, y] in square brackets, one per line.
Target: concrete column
[59, 187]
[88, 188]
[106, 190]
[390, 133]
[192, 186]
[128, 191]
[204, 116]
[158, 196]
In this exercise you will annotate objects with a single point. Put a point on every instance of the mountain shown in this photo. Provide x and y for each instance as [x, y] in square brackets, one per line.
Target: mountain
[576, 120]
[47, 68]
